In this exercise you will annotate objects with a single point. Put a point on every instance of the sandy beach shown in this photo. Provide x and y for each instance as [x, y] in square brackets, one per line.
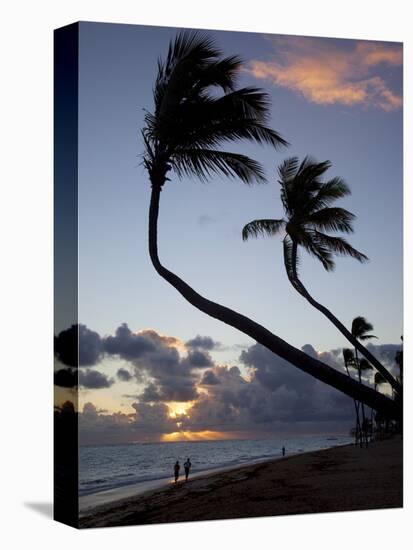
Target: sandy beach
[338, 479]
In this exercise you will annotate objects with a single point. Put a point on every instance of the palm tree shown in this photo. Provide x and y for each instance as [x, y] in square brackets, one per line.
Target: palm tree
[348, 357]
[378, 380]
[198, 108]
[399, 361]
[360, 329]
[309, 217]
[363, 365]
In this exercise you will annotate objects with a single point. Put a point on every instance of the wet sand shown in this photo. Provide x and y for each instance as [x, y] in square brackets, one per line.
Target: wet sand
[339, 479]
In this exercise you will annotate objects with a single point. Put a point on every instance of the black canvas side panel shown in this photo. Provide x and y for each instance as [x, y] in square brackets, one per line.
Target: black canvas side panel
[66, 468]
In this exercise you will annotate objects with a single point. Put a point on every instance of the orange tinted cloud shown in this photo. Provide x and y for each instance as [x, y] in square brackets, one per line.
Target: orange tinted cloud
[325, 74]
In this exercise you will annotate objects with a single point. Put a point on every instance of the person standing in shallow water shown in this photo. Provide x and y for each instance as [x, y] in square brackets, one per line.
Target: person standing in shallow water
[187, 466]
[177, 467]
[283, 451]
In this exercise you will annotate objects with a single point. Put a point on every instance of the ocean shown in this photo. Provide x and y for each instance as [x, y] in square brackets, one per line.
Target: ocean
[107, 467]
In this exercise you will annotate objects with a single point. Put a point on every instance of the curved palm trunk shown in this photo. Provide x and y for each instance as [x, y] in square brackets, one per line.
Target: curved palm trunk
[304, 362]
[298, 285]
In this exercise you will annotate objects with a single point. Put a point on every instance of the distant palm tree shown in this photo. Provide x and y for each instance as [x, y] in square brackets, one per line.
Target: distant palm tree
[399, 360]
[363, 366]
[309, 216]
[349, 361]
[360, 329]
[198, 107]
[378, 380]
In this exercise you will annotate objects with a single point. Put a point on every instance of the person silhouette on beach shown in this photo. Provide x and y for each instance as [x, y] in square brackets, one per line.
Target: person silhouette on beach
[283, 449]
[177, 467]
[187, 466]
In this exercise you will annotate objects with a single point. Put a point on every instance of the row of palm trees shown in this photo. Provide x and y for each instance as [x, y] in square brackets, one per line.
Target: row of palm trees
[197, 108]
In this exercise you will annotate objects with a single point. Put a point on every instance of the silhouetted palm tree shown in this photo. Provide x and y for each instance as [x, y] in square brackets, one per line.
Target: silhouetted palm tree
[399, 360]
[360, 329]
[309, 217]
[198, 107]
[349, 360]
[378, 380]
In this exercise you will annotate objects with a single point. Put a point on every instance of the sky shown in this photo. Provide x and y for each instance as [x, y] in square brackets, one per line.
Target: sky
[158, 369]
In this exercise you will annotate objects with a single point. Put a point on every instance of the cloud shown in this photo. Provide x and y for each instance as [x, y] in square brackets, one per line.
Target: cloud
[157, 362]
[199, 359]
[93, 379]
[78, 346]
[147, 422]
[266, 396]
[202, 342]
[124, 375]
[326, 71]
[180, 387]
[65, 378]
[209, 379]
[128, 345]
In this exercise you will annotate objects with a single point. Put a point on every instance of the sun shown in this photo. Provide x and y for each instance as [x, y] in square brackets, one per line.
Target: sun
[177, 408]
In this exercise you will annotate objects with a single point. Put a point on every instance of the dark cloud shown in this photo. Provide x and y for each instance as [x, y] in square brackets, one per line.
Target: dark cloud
[90, 347]
[199, 359]
[156, 361]
[93, 379]
[273, 372]
[209, 378]
[128, 345]
[78, 346]
[124, 375]
[66, 378]
[274, 397]
[202, 342]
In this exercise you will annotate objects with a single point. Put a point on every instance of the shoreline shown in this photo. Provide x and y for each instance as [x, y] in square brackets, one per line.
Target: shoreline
[334, 479]
[90, 501]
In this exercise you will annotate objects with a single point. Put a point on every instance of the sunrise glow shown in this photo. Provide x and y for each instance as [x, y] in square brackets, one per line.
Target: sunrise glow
[179, 408]
[195, 436]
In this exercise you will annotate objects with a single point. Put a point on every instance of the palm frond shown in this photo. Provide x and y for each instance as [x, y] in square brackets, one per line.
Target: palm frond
[288, 169]
[379, 379]
[367, 337]
[204, 163]
[328, 193]
[260, 228]
[338, 245]
[214, 130]
[222, 73]
[332, 219]
[188, 55]
[364, 365]
[348, 356]
[360, 326]
[316, 248]
[310, 169]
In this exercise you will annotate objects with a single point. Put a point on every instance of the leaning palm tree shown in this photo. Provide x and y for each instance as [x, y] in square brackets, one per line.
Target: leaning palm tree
[309, 218]
[197, 108]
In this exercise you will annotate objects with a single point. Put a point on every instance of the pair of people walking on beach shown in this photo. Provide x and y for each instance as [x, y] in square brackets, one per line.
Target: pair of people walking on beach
[177, 467]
